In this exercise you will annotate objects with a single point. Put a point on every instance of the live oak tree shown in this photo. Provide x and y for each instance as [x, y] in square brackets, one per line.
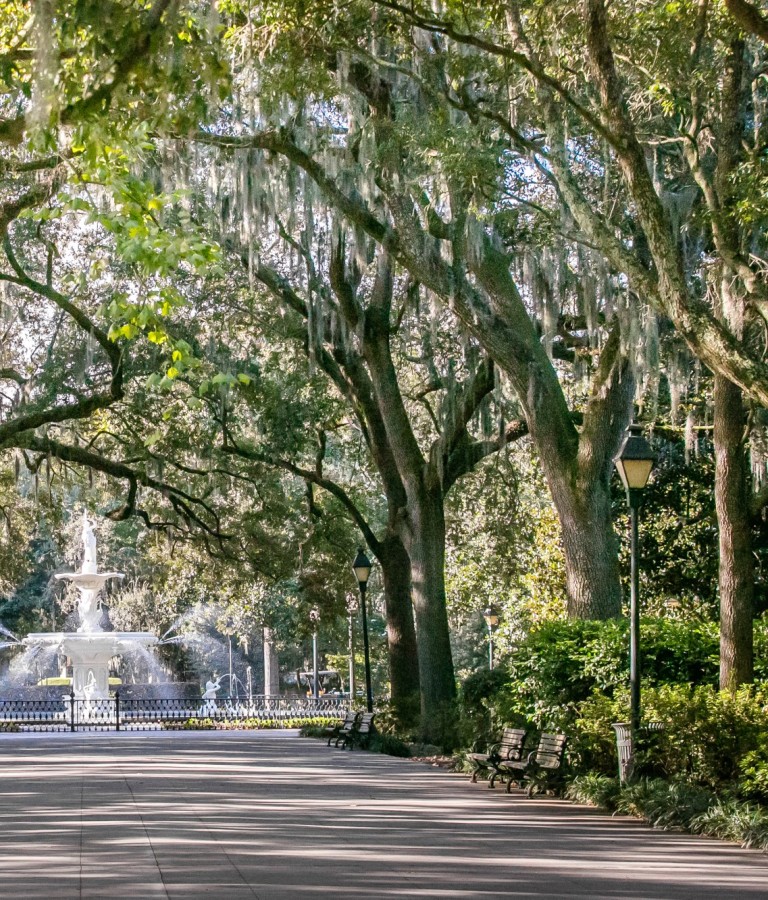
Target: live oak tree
[366, 330]
[450, 230]
[665, 104]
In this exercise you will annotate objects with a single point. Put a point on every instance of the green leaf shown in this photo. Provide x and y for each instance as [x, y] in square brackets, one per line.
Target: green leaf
[153, 439]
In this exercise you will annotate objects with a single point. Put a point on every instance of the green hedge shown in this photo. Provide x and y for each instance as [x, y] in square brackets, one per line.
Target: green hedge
[712, 739]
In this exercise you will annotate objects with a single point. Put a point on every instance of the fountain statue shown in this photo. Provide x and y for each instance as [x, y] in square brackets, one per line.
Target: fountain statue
[90, 648]
[212, 688]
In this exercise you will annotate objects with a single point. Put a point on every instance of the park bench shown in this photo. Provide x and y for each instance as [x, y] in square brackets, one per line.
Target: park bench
[509, 748]
[359, 734]
[543, 766]
[336, 732]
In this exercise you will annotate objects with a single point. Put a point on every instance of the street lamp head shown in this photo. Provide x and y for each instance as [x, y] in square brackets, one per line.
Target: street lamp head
[361, 567]
[491, 617]
[314, 615]
[635, 460]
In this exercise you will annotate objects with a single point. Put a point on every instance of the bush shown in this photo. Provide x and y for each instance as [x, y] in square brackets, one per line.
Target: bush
[664, 804]
[707, 734]
[562, 664]
[676, 804]
[483, 707]
[592, 744]
[249, 724]
[316, 731]
[717, 740]
[753, 773]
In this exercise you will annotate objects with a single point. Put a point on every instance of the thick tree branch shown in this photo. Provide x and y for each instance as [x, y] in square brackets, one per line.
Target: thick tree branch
[311, 477]
[182, 502]
[749, 17]
[504, 51]
[714, 344]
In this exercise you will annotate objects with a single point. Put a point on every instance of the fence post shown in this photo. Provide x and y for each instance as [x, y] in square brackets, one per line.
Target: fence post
[71, 710]
[117, 710]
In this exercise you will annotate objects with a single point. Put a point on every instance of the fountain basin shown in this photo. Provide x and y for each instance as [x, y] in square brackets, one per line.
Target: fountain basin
[90, 653]
[89, 581]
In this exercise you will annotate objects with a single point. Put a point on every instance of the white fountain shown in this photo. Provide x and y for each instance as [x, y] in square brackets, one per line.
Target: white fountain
[90, 648]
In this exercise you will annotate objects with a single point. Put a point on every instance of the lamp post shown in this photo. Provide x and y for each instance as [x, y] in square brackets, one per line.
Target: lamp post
[352, 607]
[314, 616]
[634, 463]
[491, 620]
[362, 569]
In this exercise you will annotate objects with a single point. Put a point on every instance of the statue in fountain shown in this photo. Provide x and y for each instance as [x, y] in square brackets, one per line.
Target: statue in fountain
[89, 581]
[212, 688]
[89, 546]
[90, 614]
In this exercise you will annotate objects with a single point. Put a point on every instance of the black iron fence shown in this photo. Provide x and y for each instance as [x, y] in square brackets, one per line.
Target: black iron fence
[73, 714]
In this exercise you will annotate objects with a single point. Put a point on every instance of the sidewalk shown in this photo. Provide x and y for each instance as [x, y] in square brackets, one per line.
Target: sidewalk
[271, 815]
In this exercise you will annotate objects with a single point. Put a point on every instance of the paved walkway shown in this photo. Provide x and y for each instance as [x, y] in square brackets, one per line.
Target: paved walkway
[271, 815]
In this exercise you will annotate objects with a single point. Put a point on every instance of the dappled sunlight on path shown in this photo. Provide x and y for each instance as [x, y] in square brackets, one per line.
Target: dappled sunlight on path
[268, 814]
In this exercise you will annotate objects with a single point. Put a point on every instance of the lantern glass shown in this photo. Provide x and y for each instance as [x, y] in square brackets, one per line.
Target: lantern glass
[361, 566]
[635, 460]
[634, 472]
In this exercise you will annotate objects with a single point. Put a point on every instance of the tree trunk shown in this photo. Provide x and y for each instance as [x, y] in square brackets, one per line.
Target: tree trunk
[736, 577]
[401, 633]
[426, 548]
[589, 544]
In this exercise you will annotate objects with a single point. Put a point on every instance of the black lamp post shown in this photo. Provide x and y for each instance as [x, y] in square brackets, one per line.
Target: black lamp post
[362, 569]
[491, 620]
[314, 616]
[353, 604]
[634, 463]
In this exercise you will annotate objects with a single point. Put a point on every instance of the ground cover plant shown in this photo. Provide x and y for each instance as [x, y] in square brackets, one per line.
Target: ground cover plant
[250, 723]
[676, 805]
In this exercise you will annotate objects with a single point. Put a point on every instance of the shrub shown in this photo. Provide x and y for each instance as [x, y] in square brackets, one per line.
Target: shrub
[562, 664]
[592, 743]
[663, 803]
[314, 731]
[597, 790]
[254, 724]
[484, 707]
[565, 662]
[753, 773]
[710, 738]
[676, 804]
[706, 733]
